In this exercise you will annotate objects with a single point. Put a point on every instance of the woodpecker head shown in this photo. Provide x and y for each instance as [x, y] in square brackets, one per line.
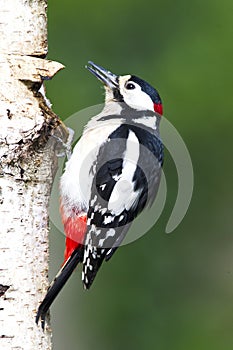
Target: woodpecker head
[135, 92]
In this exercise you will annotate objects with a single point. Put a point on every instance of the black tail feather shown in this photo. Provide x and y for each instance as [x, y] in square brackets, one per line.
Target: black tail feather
[58, 283]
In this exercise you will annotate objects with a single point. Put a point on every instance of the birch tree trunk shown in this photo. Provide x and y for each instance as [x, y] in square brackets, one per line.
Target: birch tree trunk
[27, 167]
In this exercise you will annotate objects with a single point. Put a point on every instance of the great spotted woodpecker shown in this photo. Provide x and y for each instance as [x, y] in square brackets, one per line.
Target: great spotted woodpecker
[113, 173]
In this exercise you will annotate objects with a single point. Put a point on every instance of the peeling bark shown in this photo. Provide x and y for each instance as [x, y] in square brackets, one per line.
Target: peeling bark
[27, 167]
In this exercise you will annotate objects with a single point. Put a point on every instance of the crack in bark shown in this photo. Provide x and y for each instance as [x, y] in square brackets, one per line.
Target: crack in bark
[6, 336]
[3, 289]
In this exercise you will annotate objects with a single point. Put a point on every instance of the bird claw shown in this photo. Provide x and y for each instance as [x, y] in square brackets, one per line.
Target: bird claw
[66, 146]
[41, 316]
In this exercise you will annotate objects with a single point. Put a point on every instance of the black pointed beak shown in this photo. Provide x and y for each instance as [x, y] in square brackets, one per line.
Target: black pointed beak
[108, 78]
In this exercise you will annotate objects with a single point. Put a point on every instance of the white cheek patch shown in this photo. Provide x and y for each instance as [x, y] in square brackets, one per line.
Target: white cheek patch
[135, 98]
[140, 100]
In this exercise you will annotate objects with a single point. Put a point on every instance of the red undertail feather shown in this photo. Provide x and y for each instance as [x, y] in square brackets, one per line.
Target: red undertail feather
[75, 229]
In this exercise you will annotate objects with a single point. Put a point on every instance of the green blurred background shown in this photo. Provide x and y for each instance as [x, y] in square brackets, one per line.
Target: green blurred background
[164, 291]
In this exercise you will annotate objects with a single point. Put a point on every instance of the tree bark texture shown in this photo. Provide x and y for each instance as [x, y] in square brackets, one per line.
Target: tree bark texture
[27, 167]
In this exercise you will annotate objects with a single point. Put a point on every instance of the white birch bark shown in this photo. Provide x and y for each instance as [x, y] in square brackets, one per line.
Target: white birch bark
[27, 166]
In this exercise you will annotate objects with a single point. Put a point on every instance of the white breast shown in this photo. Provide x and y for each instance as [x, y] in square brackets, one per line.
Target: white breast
[75, 184]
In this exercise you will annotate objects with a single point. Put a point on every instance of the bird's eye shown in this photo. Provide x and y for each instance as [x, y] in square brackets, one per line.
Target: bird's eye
[130, 86]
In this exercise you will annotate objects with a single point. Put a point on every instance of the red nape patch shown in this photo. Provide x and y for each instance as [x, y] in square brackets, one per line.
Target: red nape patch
[75, 228]
[158, 108]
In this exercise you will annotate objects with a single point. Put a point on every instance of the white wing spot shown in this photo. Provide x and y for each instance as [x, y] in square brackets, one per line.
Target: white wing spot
[101, 242]
[103, 211]
[97, 232]
[103, 187]
[110, 233]
[97, 207]
[93, 201]
[108, 219]
[121, 218]
[116, 177]
[94, 255]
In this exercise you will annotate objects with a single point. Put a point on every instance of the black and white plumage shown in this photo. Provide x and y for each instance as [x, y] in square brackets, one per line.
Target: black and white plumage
[111, 176]
[127, 168]
[121, 188]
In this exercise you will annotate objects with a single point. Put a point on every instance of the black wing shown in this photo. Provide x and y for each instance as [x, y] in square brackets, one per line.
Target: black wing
[126, 179]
